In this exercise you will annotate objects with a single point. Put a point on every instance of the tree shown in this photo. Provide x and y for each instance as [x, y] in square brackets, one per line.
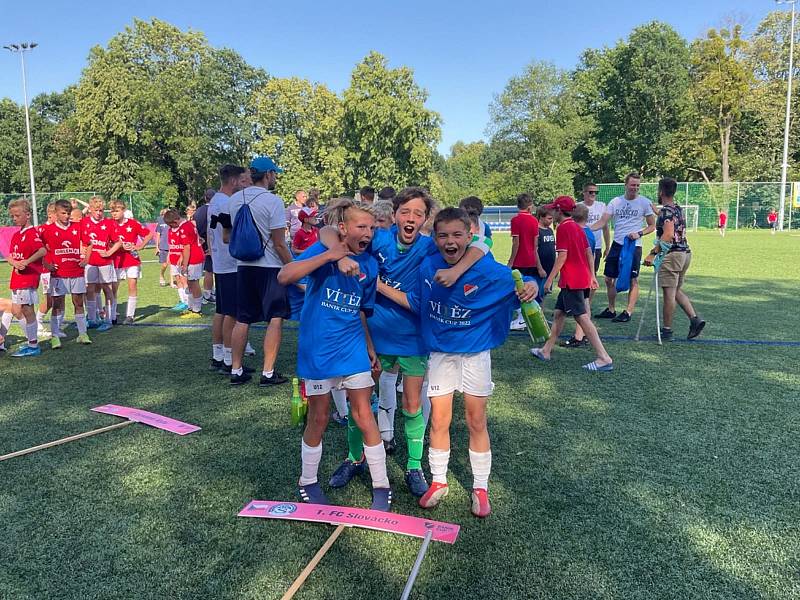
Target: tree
[461, 174]
[721, 82]
[158, 95]
[534, 127]
[635, 97]
[300, 125]
[389, 135]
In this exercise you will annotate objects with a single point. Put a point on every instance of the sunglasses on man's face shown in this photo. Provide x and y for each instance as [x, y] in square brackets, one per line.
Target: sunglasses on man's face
[592, 192]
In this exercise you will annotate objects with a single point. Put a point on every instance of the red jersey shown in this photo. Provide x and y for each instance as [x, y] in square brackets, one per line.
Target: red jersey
[772, 217]
[24, 244]
[100, 235]
[303, 239]
[63, 249]
[575, 274]
[526, 227]
[723, 218]
[129, 231]
[185, 234]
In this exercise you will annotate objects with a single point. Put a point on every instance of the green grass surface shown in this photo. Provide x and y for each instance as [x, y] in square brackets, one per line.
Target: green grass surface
[675, 476]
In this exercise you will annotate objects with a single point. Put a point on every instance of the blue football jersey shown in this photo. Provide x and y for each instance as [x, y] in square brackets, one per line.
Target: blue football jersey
[394, 329]
[332, 342]
[471, 316]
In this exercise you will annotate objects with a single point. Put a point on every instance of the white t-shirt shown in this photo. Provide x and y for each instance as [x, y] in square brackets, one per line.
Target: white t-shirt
[596, 210]
[268, 213]
[628, 216]
[221, 258]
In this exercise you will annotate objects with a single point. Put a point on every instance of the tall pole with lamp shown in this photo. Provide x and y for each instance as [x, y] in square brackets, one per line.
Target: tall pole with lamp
[21, 49]
[785, 165]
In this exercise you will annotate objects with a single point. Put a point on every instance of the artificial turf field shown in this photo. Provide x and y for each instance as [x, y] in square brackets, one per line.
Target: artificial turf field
[675, 476]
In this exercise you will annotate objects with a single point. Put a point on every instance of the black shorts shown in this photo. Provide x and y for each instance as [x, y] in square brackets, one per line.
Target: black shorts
[259, 295]
[528, 271]
[207, 266]
[225, 291]
[612, 261]
[571, 302]
[598, 253]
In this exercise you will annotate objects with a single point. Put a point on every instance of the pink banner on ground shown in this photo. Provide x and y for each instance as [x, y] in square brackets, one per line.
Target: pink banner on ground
[356, 517]
[148, 418]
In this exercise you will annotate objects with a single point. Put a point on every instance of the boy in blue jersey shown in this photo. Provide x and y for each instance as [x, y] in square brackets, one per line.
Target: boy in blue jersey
[334, 347]
[395, 331]
[460, 325]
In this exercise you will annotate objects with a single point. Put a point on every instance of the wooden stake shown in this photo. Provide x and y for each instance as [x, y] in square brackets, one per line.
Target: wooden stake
[65, 440]
[312, 565]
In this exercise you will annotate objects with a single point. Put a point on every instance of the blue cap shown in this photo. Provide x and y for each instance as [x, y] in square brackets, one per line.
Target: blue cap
[264, 164]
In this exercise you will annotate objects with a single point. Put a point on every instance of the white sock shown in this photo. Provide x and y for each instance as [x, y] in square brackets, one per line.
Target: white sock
[340, 401]
[54, 328]
[437, 460]
[5, 322]
[61, 320]
[40, 316]
[91, 310]
[130, 308]
[227, 355]
[182, 296]
[310, 456]
[238, 371]
[426, 402]
[113, 311]
[481, 463]
[217, 352]
[206, 294]
[376, 459]
[80, 321]
[197, 303]
[268, 374]
[387, 406]
[109, 312]
[31, 329]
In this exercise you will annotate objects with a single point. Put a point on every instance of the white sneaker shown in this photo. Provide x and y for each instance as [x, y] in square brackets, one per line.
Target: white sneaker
[249, 350]
[61, 335]
[518, 325]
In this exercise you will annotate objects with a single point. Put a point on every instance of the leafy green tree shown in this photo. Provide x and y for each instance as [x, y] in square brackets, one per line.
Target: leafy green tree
[635, 97]
[461, 174]
[300, 125]
[389, 135]
[721, 82]
[159, 95]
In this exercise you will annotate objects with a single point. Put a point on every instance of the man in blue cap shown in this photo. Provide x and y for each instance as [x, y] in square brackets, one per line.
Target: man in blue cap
[260, 298]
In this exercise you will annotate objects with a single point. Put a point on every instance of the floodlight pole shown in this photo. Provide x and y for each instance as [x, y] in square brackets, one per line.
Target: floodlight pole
[785, 165]
[21, 49]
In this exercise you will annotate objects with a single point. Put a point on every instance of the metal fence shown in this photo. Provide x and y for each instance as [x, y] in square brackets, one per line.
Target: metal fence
[747, 203]
[145, 206]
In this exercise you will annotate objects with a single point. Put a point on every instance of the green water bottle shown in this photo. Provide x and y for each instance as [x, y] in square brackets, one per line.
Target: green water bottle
[532, 313]
[297, 404]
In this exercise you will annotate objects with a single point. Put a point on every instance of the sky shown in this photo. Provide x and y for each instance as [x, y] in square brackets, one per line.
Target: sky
[462, 52]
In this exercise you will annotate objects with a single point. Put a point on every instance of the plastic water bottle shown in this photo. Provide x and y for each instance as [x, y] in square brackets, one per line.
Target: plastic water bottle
[532, 313]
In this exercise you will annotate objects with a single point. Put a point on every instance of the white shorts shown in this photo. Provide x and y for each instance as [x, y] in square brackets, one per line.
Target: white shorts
[63, 286]
[134, 272]
[101, 274]
[319, 387]
[44, 278]
[467, 373]
[25, 296]
[194, 273]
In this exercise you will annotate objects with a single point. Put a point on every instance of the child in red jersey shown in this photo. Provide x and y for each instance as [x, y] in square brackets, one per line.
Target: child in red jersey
[98, 247]
[186, 257]
[62, 239]
[134, 236]
[25, 259]
[47, 301]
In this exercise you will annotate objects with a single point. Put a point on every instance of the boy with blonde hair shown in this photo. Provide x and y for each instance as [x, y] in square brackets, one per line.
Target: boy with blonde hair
[133, 236]
[98, 247]
[25, 260]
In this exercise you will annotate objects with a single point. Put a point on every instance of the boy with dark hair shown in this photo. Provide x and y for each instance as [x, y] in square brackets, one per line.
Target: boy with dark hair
[545, 248]
[524, 243]
[576, 277]
[387, 193]
[475, 204]
[581, 215]
[676, 256]
[63, 241]
[460, 325]
[367, 194]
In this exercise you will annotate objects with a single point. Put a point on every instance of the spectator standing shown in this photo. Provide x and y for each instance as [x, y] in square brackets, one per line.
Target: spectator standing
[293, 210]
